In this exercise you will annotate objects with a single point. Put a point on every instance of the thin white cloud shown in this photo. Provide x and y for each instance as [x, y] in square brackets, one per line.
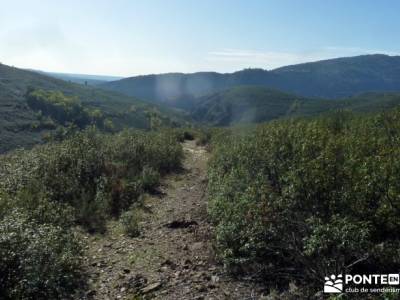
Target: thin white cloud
[251, 58]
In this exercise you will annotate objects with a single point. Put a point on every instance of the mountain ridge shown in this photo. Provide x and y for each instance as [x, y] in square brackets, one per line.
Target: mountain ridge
[332, 78]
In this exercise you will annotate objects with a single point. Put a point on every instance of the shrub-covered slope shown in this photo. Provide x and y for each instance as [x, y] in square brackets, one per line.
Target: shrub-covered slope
[83, 181]
[18, 121]
[298, 199]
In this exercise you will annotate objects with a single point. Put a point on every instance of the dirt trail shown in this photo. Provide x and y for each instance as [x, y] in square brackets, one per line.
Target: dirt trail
[173, 258]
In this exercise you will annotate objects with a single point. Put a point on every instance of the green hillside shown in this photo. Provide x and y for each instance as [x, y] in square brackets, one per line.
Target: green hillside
[250, 104]
[332, 78]
[245, 104]
[20, 124]
[23, 124]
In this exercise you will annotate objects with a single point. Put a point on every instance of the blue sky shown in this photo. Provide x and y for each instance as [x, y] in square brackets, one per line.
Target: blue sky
[155, 36]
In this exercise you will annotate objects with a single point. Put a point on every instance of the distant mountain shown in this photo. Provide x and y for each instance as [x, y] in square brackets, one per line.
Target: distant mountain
[80, 78]
[248, 96]
[333, 78]
[175, 89]
[19, 122]
[253, 104]
[341, 77]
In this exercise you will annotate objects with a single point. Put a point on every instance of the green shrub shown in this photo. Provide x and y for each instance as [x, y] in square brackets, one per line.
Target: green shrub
[201, 135]
[310, 197]
[38, 261]
[188, 135]
[97, 175]
[37, 207]
[130, 222]
[84, 179]
[149, 178]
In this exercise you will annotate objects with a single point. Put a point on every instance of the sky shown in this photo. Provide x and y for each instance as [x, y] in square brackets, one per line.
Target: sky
[132, 37]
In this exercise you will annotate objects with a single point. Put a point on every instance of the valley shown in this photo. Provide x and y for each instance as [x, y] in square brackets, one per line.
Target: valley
[200, 99]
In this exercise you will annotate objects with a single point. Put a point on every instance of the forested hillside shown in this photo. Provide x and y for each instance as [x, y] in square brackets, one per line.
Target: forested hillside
[334, 78]
[23, 125]
[35, 107]
[251, 104]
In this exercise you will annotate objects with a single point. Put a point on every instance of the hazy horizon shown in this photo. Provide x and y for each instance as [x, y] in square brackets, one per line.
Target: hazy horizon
[126, 38]
[176, 72]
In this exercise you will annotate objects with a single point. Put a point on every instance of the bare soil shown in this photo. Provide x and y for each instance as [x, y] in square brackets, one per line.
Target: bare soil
[173, 258]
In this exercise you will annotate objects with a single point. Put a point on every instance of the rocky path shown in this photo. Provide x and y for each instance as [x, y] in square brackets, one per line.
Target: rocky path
[173, 257]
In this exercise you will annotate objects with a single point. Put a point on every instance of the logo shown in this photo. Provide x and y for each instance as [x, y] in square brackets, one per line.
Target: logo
[362, 283]
[333, 284]
[394, 279]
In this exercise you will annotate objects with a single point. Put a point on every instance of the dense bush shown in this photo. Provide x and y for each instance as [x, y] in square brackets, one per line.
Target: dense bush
[130, 222]
[97, 175]
[300, 199]
[38, 261]
[201, 135]
[84, 180]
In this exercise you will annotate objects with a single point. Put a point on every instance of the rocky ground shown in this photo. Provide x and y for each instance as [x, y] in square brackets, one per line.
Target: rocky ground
[173, 257]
